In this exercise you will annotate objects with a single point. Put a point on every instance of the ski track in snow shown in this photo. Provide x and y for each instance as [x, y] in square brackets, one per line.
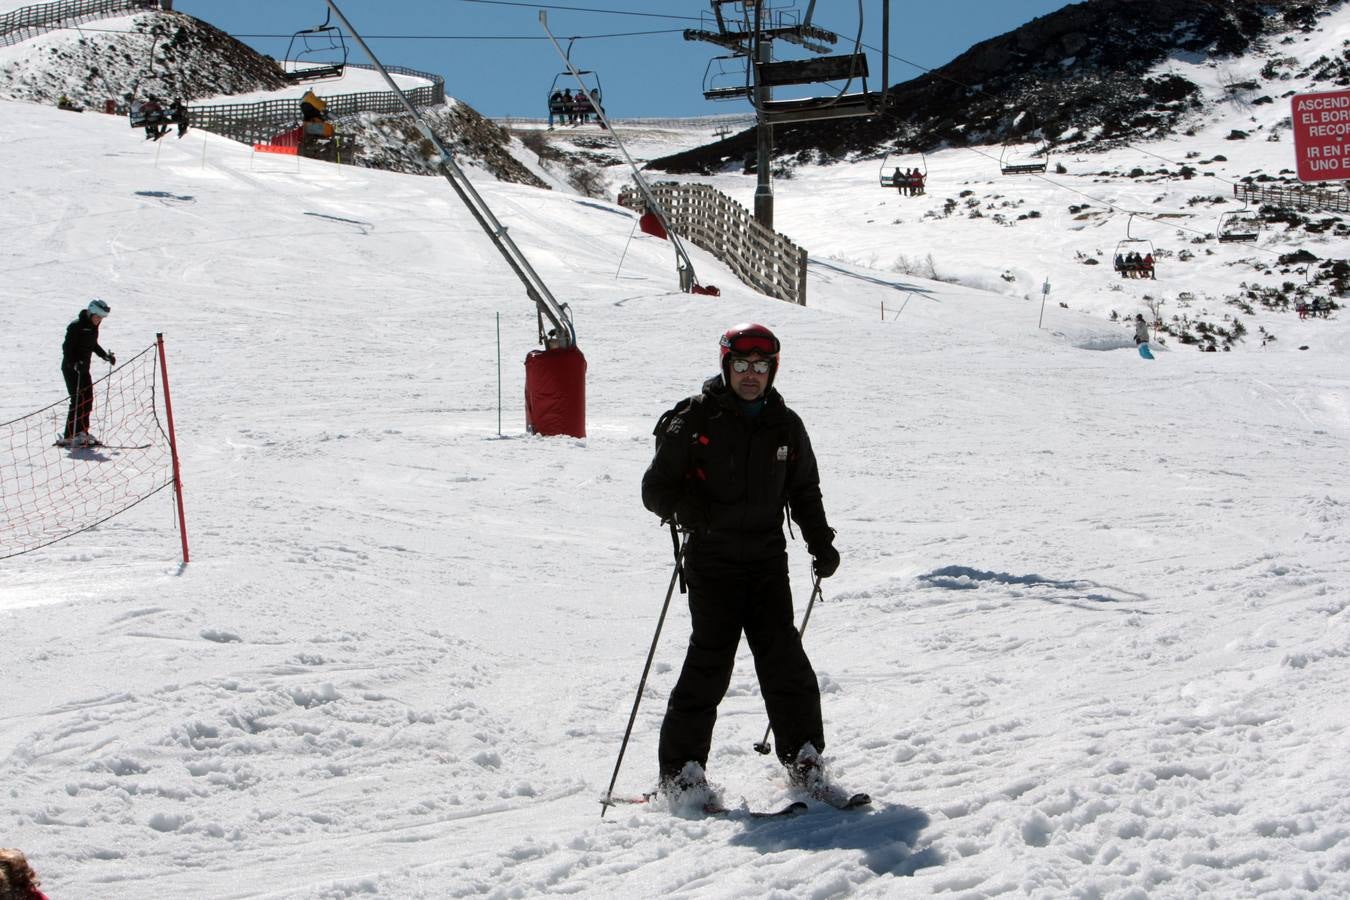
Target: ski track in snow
[1089, 638]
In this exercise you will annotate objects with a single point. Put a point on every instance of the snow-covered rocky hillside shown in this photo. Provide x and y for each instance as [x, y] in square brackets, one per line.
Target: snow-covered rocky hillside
[1088, 637]
[1013, 234]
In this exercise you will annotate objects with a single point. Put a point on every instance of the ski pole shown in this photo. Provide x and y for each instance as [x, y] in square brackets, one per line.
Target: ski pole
[763, 746]
[678, 547]
[678, 574]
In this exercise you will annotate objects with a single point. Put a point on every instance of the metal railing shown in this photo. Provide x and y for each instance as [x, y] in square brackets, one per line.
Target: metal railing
[260, 121]
[760, 257]
[29, 21]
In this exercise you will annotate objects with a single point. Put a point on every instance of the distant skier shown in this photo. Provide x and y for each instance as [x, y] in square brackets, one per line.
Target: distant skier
[728, 461]
[82, 343]
[1140, 329]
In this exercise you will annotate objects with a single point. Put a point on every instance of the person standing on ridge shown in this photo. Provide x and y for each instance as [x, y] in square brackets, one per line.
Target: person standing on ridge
[80, 345]
[728, 461]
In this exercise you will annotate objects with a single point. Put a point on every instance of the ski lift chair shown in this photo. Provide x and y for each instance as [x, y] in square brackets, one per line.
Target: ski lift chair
[321, 53]
[1239, 225]
[896, 175]
[726, 78]
[1024, 165]
[156, 119]
[593, 90]
[589, 87]
[1142, 247]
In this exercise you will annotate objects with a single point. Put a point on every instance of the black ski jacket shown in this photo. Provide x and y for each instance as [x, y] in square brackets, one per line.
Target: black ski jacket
[81, 343]
[738, 472]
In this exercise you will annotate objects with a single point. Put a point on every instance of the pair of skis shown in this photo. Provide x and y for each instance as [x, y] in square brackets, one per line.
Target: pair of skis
[97, 445]
[841, 800]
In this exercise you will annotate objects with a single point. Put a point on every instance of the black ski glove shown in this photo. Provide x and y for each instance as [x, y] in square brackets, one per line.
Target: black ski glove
[112, 358]
[821, 546]
[691, 514]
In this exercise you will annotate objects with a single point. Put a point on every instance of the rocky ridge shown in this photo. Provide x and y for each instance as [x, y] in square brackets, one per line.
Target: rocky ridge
[172, 54]
[1078, 78]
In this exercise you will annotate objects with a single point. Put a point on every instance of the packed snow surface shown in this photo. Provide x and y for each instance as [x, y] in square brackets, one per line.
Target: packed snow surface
[1088, 639]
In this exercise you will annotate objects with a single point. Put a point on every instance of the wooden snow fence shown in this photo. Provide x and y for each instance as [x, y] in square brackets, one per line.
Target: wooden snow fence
[762, 258]
[1299, 199]
[40, 18]
[260, 121]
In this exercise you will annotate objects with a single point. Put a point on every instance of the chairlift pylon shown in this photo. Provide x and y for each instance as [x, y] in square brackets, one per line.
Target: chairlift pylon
[320, 56]
[761, 26]
[1131, 245]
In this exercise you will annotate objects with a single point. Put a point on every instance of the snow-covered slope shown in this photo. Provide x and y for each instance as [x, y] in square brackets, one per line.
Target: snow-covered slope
[1088, 637]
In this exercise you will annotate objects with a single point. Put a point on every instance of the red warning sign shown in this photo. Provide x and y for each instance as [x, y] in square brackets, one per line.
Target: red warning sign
[1322, 135]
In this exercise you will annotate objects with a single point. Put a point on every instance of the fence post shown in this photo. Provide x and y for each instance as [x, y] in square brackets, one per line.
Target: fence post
[801, 276]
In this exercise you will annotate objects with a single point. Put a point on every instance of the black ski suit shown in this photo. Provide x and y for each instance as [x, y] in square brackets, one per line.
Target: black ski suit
[726, 476]
[81, 343]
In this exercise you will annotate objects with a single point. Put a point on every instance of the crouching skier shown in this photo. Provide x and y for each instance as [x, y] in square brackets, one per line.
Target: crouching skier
[727, 462]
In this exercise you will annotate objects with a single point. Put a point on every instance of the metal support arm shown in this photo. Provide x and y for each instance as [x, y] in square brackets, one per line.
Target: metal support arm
[563, 332]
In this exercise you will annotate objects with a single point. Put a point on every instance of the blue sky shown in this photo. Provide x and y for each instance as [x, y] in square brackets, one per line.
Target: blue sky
[493, 54]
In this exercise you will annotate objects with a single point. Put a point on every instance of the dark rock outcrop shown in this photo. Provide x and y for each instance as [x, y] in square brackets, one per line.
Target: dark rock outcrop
[167, 54]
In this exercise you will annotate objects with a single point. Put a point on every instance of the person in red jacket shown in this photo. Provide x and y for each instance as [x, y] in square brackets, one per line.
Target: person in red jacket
[18, 881]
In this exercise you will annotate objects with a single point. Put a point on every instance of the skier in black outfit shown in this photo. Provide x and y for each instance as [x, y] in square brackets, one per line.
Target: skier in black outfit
[82, 343]
[727, 463]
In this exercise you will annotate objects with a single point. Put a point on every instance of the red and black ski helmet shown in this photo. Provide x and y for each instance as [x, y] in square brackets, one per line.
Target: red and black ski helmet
[745, 339]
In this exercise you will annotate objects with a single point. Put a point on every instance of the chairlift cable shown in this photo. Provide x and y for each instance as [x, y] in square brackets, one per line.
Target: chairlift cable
[554, 6]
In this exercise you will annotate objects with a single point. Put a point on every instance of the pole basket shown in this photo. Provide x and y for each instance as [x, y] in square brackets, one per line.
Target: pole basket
[51, 490]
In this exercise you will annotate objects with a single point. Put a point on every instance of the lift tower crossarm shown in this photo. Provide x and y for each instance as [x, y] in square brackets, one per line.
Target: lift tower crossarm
[734, 41]
[737, 41]
[549, 308]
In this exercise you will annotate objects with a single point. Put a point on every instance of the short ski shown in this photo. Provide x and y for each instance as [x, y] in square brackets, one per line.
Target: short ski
[840, 799]
[791, 809]
[796, 806]
[99, 445]
[851, 801]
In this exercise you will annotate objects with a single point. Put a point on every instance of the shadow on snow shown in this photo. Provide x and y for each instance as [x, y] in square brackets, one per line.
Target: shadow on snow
[965, 578]
[886, 838]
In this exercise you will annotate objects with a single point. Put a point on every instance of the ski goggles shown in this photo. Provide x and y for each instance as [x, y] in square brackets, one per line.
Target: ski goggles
[740, 365]
[751, 342]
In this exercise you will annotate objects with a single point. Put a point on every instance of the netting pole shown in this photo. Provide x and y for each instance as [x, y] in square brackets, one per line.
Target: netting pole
[173, 446]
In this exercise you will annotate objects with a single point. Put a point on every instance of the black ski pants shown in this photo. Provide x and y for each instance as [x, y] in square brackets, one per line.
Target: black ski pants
[723, 602]
[81, 390]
